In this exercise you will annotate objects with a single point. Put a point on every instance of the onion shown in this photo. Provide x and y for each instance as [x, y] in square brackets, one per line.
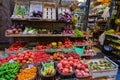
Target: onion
[79, 66]
[77, 71]
[59, 65]
[79, 74]
[14, 29]
[66, 71]
[86, 70]
[20, 30]
[9, 31]
[71, 58]
[65, 62]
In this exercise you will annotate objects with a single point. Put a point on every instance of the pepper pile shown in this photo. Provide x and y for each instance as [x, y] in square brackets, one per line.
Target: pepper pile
[41, 57]
[27, 73]
[8, 71]
[17, 46]
[68, 43]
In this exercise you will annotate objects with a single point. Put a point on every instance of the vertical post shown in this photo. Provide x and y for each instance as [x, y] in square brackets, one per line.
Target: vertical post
[110, 11]
[87, 14]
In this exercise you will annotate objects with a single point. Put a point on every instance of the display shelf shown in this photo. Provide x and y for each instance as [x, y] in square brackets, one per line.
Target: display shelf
[38, 20]
[113, 35]
[92, 16]
[109, 40]
[85, 55]
[113, 41]
[115, 48]
[38, 35]
[45, 35]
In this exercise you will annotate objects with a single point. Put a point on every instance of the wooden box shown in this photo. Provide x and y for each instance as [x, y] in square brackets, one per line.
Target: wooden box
[21, 10]
[49, 11]
[35, 6]
[62, 9]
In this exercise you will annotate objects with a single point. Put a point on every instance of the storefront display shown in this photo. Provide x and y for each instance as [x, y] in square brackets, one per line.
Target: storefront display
[50, 42]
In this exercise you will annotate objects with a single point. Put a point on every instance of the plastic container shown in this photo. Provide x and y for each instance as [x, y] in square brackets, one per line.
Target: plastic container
[105, 72]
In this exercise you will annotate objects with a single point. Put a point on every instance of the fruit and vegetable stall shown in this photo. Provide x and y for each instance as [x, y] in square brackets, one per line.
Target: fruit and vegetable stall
[68, 57]
[51, 62]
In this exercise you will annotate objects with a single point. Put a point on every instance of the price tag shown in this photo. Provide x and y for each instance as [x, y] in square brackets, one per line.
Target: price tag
[30, 65]
[11, 61]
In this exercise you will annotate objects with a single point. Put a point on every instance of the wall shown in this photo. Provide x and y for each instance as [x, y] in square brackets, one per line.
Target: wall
[4, 19]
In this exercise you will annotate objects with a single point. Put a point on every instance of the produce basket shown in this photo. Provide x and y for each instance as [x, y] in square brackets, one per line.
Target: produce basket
[66, 76]
[47, 77]
[21, 10]
[85, 77]
[105, 72]
[36, 9]
[79, 50]
[88, 78]
[67, 50]
[28, 66]
[56, 57]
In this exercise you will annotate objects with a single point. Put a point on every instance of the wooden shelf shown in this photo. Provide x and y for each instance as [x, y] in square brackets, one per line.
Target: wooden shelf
[38, 20]
[114, 35]
[91, 16]
[38, 35]
[113, 42]
[45, 35]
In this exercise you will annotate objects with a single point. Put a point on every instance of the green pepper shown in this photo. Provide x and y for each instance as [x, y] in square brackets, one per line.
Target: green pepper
[2, 79]
[7, 77]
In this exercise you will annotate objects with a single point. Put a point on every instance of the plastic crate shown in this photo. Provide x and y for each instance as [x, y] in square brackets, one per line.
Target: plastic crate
[105, 73]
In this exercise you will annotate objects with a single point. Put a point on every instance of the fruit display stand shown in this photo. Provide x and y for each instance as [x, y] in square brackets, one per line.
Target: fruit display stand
[37, 57]
[113, 40]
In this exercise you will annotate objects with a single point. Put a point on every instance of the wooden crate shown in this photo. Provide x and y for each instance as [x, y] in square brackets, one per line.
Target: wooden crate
[35, 6]
[23, 10]
[62, 9]
[49, 11]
